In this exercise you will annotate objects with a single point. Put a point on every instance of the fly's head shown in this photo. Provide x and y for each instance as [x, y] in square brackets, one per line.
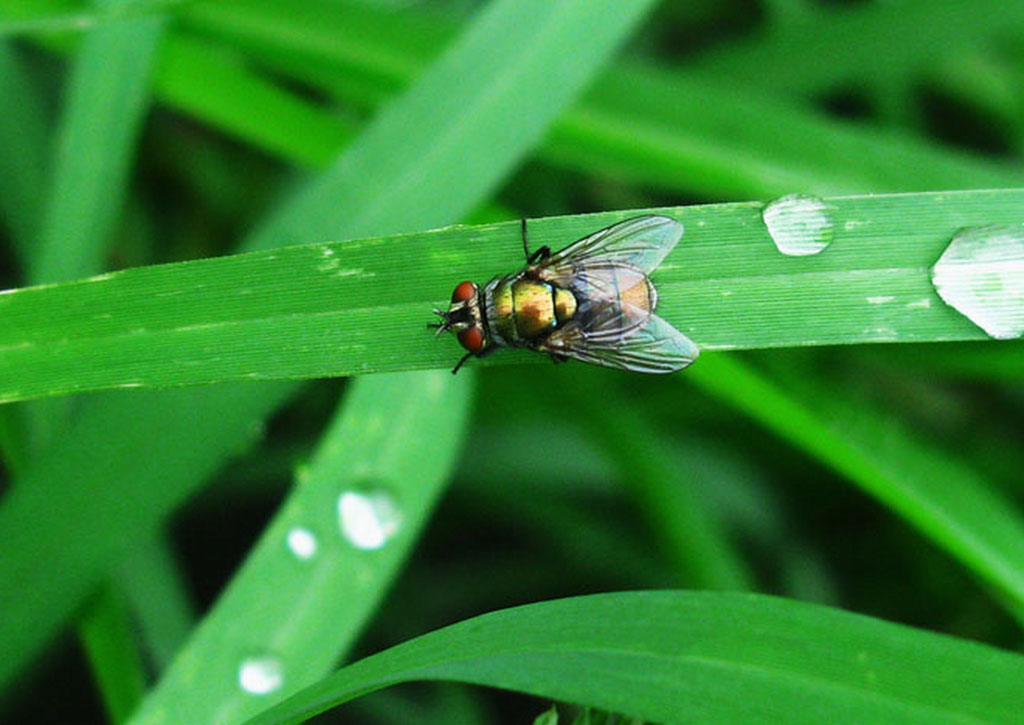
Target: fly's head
[463, 318]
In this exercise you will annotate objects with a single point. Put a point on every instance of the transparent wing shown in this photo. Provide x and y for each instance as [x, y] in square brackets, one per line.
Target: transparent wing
[655, 347]
[613, 299]
[641, 243]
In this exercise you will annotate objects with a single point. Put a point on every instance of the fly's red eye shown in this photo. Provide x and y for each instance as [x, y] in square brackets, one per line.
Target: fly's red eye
[464, 292]
[472, 338]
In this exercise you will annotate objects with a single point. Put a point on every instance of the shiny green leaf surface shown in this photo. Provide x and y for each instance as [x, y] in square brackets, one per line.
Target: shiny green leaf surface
[676, 657]
[362, 306]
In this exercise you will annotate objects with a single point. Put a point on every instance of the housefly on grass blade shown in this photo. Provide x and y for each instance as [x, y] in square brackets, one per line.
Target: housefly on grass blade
[591, 301]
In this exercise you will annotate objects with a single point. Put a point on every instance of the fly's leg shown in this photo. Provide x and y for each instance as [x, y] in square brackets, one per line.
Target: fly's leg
[461, 362]
[540, 255]
[484, 353]
[558, 358]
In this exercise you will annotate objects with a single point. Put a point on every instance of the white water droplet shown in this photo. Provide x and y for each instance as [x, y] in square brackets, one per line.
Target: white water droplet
[981, 276]
[302, 542]
[799, 224]
[368, 519]
[260, 675]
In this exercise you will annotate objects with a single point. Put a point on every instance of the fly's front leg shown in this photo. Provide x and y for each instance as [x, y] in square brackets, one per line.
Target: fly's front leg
[483, 353]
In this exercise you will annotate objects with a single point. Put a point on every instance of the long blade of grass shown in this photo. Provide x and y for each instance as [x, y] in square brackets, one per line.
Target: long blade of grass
[154, 587]
[22, 143]
[360, 306]
[55, 16]
[111, 647]
[107, 98]
[680, 657]
[216, 86]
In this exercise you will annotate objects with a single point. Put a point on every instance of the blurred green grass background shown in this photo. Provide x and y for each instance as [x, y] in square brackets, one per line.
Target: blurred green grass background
[141, 132]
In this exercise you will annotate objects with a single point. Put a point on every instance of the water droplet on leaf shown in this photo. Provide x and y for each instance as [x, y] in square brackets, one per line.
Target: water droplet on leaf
[368, 518]
[981, 276]
[799, 224]
[302, 542]
[260, 675]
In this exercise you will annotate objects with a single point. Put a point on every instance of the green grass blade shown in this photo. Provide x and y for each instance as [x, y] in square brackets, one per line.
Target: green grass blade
[107, 98]
[154, 586]
[61, 16]
[681, 657]
[387, 436]
[110, 644]
[22, 143]
[217, 87]
[945, 500]
[361, 306]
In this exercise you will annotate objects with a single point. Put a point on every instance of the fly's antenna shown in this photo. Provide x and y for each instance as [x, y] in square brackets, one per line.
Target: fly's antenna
[526, 247]
[439, 326]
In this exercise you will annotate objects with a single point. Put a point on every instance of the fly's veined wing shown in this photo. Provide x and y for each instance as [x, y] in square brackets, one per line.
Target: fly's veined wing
[613, 299]
[641, 243]
[655, 347]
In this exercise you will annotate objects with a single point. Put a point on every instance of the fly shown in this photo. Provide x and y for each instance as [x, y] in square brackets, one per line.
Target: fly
[591, 301]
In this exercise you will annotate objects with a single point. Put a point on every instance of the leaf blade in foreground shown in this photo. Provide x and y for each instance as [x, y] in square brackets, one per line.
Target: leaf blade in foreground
[678, 657]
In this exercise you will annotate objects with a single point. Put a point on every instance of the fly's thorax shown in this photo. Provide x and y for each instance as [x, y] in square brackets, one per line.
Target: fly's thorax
[498, 311]
[534, 304]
